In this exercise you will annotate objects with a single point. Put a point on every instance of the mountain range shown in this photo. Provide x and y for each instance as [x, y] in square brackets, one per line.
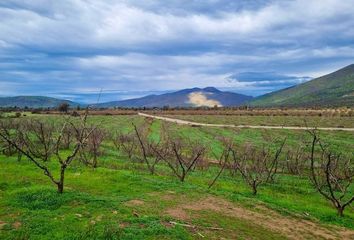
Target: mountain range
[193, 97]
[332, 90]
[33, 102]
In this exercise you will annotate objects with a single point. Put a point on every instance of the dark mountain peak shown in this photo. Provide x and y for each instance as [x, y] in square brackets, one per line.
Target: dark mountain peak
[189, 90]
[196, 89]
[211, 89]
[184, 98]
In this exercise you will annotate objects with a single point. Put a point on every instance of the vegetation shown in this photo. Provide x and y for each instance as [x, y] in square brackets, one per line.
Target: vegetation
[38, 142]
[32, 102]
[335, 89]
[332, 118]
[332, 175]
[64, 107]
[127, 177]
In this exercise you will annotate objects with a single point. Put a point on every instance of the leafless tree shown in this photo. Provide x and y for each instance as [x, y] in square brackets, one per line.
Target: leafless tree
[151, 152]
[331, 173]
[6, 148]
[68, 137]
[182, 156]
[38, 138]
[295, 161]
[91, 150]
[125, 143]
[31, 135]
[256, 166]
[223, 159]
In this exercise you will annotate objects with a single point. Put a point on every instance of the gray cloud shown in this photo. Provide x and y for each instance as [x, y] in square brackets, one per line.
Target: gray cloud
[77, 46]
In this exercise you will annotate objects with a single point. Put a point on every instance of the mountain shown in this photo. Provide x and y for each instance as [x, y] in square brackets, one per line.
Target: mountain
[194, 97]
[33, 102]
[332, 90]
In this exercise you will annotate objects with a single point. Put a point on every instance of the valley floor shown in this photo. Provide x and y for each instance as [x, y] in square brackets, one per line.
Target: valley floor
[121, 200]
[192, 123]
[128, 204]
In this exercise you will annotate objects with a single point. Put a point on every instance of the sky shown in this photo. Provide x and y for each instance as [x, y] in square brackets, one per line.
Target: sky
[75, 49]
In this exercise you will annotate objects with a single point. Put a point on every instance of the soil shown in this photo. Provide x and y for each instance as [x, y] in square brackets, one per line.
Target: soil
[291, 227]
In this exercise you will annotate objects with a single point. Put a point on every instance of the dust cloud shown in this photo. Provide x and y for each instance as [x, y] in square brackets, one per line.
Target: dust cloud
[199, 99]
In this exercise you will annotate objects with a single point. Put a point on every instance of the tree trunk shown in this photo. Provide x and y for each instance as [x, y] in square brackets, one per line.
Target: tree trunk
[61, 181]
[152, 170]
[60, 187]
[340, 211]
[254, 188]
[94, 165]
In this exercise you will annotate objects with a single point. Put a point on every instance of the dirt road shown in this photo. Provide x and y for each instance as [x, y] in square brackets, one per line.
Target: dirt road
[183, 122]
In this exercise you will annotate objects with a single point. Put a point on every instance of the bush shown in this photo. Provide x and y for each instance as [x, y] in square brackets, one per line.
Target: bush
[75, 114]
[35, 111]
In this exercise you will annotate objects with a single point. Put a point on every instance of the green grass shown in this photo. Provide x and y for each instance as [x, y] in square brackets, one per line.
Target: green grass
[94, 204]
[311, 121]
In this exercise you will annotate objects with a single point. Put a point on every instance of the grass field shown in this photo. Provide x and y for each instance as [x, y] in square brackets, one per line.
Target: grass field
[121, 200]
[311, 121]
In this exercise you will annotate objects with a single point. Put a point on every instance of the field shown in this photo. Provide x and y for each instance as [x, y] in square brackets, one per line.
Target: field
[311, 121]
[121, 199]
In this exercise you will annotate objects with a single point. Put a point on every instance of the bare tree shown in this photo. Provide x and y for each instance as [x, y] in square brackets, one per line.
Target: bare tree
[91, 150]
[151, 152]
[223, 159]
[295, 161]
[40, 159]
[37, 136]
[256, 167]
[125, 143]
[67, 137]
[182, 156]
[6, 148]
[331, 174]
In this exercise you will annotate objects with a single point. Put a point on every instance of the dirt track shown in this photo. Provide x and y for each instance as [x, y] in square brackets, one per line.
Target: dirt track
[291, 227]
[179, 121]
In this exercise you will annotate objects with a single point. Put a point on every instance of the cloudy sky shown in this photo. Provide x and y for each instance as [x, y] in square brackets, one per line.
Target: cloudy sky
[128, 48]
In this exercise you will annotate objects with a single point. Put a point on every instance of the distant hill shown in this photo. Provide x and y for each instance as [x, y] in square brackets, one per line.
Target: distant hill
[332, 90]
[193, 97]
[33, 102]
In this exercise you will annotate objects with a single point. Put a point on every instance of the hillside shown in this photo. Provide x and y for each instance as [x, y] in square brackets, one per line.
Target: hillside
[33, 102]
[193, 97]
[332, 90]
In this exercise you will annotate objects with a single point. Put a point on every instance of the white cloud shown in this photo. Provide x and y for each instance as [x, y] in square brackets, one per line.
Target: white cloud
[110, 23]
[131, 44]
